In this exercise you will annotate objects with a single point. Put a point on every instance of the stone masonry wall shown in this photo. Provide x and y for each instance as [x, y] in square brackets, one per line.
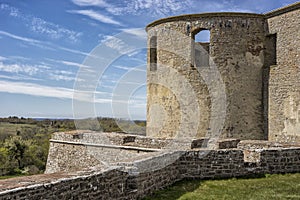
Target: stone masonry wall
[213, 164]
[109, 184]
[73, 151]
[136, 179]
[69, 158]
[177, 89]
[284, 80]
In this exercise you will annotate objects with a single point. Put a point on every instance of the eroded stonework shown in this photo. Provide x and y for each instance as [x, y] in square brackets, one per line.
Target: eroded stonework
[251, 65]
[284, 77]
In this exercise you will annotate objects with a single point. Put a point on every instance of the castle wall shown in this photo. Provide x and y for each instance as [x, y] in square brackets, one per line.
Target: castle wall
[284, 77]
[74, 151]
[137, 179]
[185, 99]
[108, 184]
[68, 158]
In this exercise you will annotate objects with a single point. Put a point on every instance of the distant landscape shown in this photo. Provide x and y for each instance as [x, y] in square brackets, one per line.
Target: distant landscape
[24, 142]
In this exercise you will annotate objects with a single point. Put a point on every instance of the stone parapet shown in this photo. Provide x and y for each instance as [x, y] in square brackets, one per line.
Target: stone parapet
[138, 178]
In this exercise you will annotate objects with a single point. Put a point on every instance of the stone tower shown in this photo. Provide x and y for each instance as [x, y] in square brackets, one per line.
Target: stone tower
[221, 88]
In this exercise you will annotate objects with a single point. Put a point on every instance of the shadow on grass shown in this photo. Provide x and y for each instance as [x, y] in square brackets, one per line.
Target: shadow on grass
[184, 186]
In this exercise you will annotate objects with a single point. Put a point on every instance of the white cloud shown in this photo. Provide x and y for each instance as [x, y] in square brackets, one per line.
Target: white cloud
[2, 58]
[99, 3]
[63, 72]
[24, 39]
[18, 58]
[101, 100]
[41, 26]
[129, 68]
[33, 42]
[92, 96]
[163, 8]
[139, 7]
[25, 72]
[139, 32]
[96, 16]
[58, 92]
[60, 77]
[12, 11]
[150, 7]
[117, 44]
[16, 68]
[73, 51]
[53, 31]
[73, 64]
[35, 89]
[44, 45]
[19, 77]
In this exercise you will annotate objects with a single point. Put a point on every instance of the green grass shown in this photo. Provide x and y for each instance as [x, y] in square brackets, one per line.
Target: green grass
[8, 128]
[270, 187]
[11, 176]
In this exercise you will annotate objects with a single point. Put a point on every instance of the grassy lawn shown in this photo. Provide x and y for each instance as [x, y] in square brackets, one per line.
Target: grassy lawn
[270, 187]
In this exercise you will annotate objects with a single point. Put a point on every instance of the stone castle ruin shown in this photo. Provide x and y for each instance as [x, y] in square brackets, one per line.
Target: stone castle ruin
[257, 60]
[225, 108]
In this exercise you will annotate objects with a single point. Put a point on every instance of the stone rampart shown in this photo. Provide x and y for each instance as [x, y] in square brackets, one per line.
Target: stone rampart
[108, 184]
[138, 178]
[179, 86]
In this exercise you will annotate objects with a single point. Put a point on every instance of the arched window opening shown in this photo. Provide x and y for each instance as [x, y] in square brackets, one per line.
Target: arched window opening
[153, 53]
[202, 36]
[201, 48]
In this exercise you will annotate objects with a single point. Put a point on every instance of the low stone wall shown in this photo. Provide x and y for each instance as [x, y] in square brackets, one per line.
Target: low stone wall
[280, 160]
[154, 173]
[67, 156]
[109, 184]
[138, 178]
[212, 164]
[76, 150]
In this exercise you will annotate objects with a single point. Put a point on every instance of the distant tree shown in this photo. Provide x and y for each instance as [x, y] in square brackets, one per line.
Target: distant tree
[6, 166]
[16, 147]
[27, 132]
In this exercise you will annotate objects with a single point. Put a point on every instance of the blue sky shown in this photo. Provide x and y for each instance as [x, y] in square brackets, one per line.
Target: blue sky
[45, 45]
